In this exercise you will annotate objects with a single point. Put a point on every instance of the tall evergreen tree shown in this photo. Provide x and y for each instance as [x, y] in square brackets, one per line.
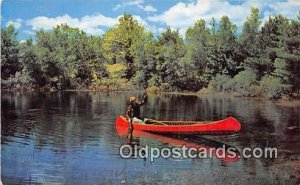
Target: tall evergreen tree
[224, 56]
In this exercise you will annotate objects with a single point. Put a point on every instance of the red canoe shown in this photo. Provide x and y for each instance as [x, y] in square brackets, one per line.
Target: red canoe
[227, 125]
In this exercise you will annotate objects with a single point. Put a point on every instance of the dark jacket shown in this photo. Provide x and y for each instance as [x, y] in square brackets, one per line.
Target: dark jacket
[134, 109]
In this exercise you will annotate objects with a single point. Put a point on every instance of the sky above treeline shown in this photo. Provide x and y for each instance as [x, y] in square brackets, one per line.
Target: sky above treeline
[96, 16]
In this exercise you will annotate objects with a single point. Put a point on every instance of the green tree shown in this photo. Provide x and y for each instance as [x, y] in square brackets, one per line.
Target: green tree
[45, 47]
[223, 57]
[170, 50]
[9, 53]
[118, 42]
[69, 57]
[292, 53]
[249, 39]
[282, 50]
[32, 68]
[250, 44]
[144, 56]
[194, 65]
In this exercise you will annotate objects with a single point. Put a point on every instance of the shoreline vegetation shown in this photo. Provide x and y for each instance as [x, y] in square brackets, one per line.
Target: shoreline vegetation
[262, 60]
[295, 102]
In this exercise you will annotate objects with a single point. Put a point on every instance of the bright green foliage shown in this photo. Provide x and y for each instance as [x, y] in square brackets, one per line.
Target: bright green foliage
[245, 83]
[290, 54]
[281, 57]
[195, 62]
[170, 49]
[220, 83]
[9, 53]
[260, 61]
[281, 70]
[144, 57]
[32, 67]
[116, 70]
[249, 39]
[119, 42]
[250, 43]
[274, 87]
[273, 53]
[242, 84]
[226, 34]
[210, 52]
[69, 57]
[222, 55]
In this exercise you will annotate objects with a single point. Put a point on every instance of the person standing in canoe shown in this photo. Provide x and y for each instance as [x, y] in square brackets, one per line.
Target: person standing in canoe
[133, 112]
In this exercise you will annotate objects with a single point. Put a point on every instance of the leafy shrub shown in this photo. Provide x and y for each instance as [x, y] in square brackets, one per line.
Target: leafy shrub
[274, 88]
[153, 89]
[245, 83]
[206, 90]
[111, 84]
[154, 81]
[17, 81]
[167, 87]
[116, 70]
[139, 80]
[218, 83]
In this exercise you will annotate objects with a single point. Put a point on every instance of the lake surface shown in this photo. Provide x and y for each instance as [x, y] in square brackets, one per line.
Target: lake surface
[70, 138]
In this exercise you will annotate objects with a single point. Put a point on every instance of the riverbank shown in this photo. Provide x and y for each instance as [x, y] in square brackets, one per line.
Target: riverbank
[293, 102]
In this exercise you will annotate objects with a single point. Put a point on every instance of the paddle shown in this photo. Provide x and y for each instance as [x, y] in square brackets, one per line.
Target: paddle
[155, 121]
[130, 124]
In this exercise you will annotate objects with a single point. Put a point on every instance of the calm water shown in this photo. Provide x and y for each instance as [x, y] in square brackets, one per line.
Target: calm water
[70, 138]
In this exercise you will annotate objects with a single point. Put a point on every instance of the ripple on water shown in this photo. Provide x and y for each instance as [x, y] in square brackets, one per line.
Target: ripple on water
[70, 136]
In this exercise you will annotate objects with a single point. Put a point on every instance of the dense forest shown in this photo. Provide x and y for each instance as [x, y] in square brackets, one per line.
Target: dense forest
[263, 59]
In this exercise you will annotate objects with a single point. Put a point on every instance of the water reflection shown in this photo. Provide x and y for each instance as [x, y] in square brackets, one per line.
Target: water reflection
[199, 143]
[70, 138]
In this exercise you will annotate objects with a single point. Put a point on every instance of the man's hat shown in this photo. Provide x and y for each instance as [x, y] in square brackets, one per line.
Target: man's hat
[132, 98]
